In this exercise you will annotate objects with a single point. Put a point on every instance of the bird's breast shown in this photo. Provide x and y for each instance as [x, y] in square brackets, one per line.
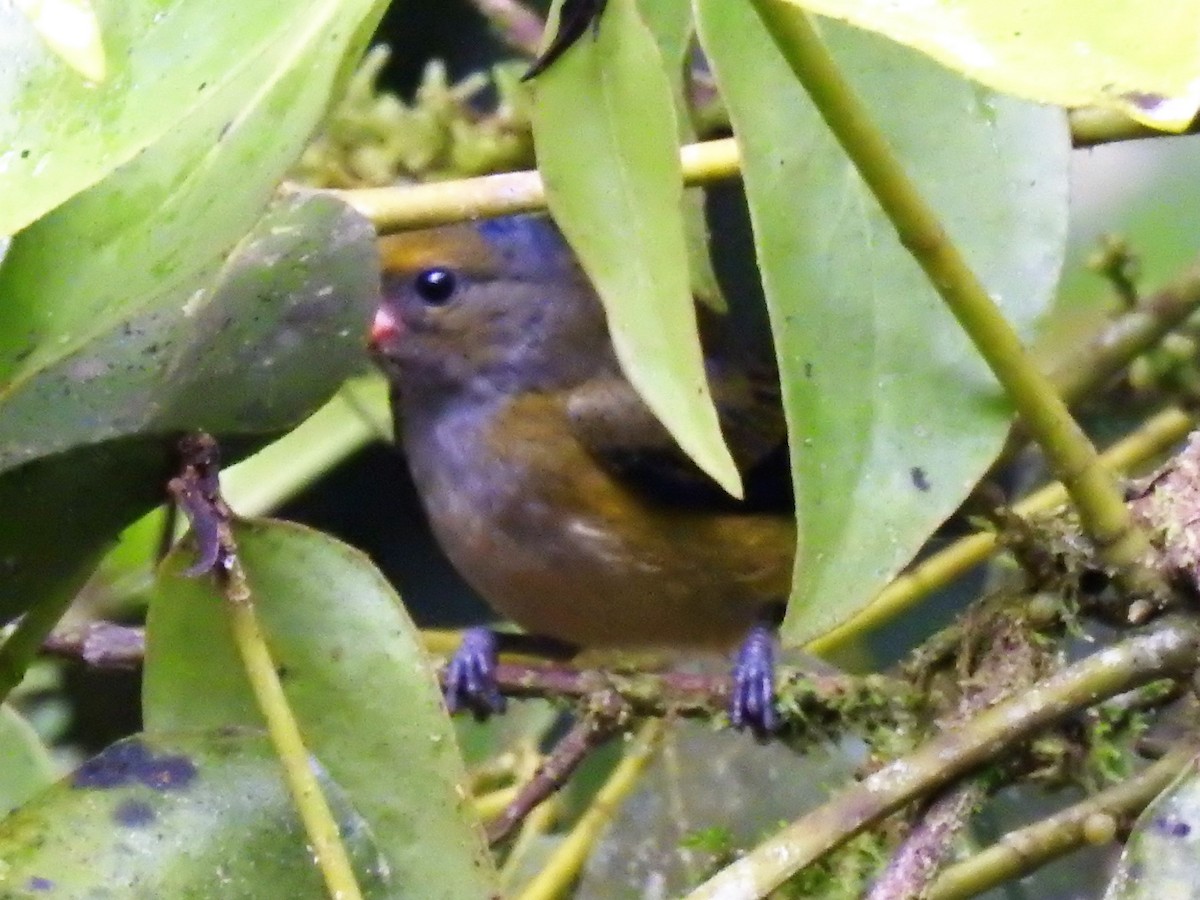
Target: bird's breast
[556, 543]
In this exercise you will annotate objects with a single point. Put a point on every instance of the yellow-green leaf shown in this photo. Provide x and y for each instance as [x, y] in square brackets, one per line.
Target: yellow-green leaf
[1142, 59]
[605, 131]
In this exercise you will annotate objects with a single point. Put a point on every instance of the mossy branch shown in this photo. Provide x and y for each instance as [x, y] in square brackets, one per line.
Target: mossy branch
[1168, 649]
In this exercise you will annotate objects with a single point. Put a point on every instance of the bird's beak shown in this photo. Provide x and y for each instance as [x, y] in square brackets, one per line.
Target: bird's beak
[386, 329]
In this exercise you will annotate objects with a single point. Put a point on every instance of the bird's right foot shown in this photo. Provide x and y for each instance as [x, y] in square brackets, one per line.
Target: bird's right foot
[470, 681]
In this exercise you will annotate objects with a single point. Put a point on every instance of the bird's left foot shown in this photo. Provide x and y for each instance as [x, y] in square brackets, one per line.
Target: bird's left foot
[752, 693]
[470, 681]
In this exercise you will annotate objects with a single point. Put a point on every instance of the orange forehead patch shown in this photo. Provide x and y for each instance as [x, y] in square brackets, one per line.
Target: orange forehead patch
[455, 246]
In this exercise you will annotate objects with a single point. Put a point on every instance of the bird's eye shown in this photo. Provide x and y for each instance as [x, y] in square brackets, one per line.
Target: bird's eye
[436, 286]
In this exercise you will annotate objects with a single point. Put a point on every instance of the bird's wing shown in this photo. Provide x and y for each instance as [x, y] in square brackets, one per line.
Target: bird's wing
[619, 430]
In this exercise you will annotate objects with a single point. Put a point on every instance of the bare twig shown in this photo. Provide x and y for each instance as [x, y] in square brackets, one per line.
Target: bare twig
[516, 24]
[101, 645]
[1128, 335]
[586, 735]
[553, 879]
[915, 864]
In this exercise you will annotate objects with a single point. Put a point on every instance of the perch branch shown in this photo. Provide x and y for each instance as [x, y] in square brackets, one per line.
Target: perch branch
[1168, 649]
[197, 491]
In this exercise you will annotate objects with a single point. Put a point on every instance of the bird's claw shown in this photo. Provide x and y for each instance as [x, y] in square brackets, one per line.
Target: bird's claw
[752, 692]
[470, 680]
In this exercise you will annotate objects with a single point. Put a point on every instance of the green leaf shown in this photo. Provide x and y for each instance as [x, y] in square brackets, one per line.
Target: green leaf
[892, 415]
[179, 72]
[232, 354]
[181, 816]
[27, 765]
[1121, 53]
[1160, 859]
[605, 131]
[357, 679]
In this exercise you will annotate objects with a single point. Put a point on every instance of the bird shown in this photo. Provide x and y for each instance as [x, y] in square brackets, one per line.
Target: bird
[548, 482]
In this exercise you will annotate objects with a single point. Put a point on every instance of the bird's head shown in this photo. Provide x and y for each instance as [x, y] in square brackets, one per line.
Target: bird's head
[497, 307]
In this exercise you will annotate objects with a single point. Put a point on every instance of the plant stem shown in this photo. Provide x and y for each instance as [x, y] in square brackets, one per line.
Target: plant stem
[1128, 336]
[1170, 648]
[1102, 512]
[920, 855]
[1020, 852]
[407, 207]
[555, 877]
[319, 823]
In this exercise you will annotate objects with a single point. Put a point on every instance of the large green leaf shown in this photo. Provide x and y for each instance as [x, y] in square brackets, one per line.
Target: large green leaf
[605, 131]
[176, 68]
[180, 816]
[892, 415]
[1124, 54]
[88, 438]
[356, 677]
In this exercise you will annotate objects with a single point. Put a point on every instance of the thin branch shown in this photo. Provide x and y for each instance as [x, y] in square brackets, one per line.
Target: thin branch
[586, 735]
[1154, 437]
[811, 705]
[1128, 336]
[198, 492]
[403, 208]
[1168, 649]
[407, 207]
[565, 863]
[101, 645]
[516, 24]
[915, 864]
[1020, 852]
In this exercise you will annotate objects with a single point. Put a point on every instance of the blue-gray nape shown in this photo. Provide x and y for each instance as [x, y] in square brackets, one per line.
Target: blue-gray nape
[530, 245]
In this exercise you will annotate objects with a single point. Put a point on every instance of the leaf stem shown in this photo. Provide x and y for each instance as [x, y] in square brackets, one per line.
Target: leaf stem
[1102, 511]
[1170, 648]
[323, 835]
[936, 571]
